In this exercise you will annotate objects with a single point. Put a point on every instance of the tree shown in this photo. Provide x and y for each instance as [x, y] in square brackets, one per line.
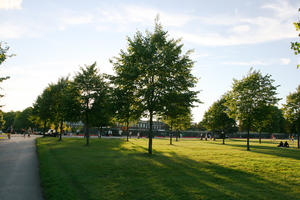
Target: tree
[3, 57]
[3, 53]
[269, 119]
[157, 68]
[177, 113]
[295, 46]
[248, 96]
[23, 119]
[9, 118]
[292, 110]
[90, 86]
[2, 121]
[125, 103]
[216, 118]
[102, 110]
[65, 104]
[43, 107]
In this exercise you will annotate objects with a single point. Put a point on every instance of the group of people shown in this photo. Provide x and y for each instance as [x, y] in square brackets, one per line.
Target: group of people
[23, 132]
[286, 144]
[29, 131]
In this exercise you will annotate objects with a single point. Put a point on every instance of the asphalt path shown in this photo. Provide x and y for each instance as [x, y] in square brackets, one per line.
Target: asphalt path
[19, 169]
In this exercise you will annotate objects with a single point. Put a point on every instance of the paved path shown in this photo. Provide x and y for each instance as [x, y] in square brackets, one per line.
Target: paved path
[19, 172]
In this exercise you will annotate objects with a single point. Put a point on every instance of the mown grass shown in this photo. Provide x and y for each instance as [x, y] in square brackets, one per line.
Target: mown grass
[189, 169]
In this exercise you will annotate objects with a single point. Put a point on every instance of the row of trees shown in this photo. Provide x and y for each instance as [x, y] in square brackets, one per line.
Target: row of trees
[152, 79]
[252, 103]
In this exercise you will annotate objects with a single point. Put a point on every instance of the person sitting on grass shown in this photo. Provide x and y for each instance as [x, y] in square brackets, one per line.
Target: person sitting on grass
[286, 144]
[280, 144]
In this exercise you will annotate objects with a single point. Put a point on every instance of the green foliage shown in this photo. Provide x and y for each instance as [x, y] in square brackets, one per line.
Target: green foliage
[180, 121]
[2, 121]
[295, 46]
[249, 95]
[3, 53]
[102, 110]
[269, 119]
[92, 90]
[127, 106]
[65, 104]
[154, 67]
[43, 105]
[216, 118]
[57, 103]
[9, 118]
[177, 110]
[24, 119]
[292, 109]
[3, 57]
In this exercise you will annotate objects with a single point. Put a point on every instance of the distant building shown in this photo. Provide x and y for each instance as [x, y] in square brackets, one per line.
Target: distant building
[145, 125]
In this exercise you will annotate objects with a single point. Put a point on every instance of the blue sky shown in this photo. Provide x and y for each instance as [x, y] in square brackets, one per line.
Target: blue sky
[54, 38]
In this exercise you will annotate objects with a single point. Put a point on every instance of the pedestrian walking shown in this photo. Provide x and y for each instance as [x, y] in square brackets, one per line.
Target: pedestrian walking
[29, 131]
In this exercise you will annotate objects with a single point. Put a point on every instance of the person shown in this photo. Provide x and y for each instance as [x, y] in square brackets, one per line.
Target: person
[9, 133]
[29, 131]
[280, 144]
[286, 144]
[138, 135]
[23, 132]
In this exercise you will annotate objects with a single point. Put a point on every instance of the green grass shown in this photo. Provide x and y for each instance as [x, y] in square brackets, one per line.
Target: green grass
[190, 169]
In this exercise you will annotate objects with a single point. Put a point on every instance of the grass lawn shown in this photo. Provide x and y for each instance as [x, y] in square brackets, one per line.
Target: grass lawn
[114, 169]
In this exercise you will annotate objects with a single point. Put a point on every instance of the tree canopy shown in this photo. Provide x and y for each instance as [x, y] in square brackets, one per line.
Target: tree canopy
[248, 96]
[91, 87]
[292, 110]
[295, 46]
[216, 118]
[156, 67]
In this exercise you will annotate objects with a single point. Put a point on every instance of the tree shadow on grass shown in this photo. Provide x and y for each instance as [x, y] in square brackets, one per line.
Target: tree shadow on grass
[108, 170]
[275, 151]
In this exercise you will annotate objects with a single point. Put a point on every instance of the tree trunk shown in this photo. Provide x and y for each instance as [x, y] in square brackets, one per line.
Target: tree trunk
[61, 130]
[171, 134]
[298, 140]
[150, 133]
[177, 135]
[223, 137]
[44, 128]
[248, 137]
[87, 135]
[56, 127]
[127, 130]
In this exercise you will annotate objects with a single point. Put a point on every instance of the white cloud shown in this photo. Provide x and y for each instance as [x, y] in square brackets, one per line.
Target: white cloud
[75, 20]
[285, 61]
[247, 63]
[239, 30]
[11, 31]
[128, 14]
[196, 56]
[16, 30]
[11, 4]
[274, 61]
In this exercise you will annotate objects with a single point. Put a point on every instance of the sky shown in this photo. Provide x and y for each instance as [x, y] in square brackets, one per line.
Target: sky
[54, 38]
